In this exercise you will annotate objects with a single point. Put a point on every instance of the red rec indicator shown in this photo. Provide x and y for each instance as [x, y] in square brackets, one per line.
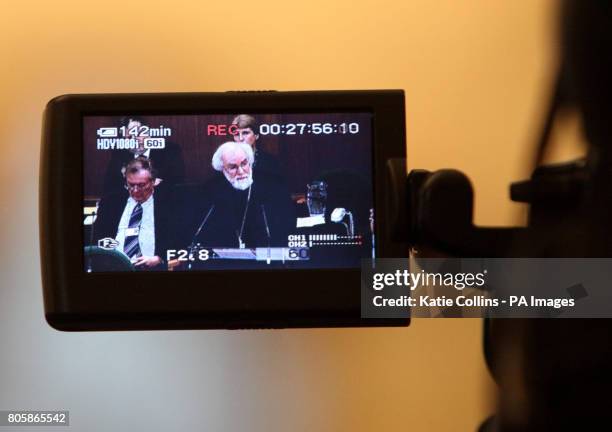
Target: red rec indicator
[221, 129]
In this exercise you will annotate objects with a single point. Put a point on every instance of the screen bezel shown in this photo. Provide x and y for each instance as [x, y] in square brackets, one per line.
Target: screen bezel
[75, 300]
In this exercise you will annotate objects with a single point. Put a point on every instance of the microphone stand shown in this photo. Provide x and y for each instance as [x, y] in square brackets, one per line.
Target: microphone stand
[91, 238]
[197, 233]
[263, 212]
[351, 227]
[372, 232]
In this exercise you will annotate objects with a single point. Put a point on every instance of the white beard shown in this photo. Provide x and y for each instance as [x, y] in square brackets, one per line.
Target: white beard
[243, 184]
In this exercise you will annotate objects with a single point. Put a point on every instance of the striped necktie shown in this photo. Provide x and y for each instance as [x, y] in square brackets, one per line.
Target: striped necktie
[131, 247]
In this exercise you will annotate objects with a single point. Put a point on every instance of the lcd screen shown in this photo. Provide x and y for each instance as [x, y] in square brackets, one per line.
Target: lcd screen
[227, 191]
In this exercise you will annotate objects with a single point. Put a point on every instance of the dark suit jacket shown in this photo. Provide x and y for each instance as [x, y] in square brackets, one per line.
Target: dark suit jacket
[112, 206]
[167, 162]
[268, 196]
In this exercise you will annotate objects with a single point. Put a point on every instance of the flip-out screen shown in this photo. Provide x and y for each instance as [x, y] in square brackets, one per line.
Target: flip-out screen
[227, 191]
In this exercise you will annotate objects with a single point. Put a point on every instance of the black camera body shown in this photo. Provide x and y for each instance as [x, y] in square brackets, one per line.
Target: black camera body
[205, 277]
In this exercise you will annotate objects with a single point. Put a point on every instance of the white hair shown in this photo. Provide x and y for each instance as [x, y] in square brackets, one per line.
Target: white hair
[217, 159]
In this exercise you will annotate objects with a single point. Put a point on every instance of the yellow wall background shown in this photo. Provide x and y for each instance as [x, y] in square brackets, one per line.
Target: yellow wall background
[476, 75]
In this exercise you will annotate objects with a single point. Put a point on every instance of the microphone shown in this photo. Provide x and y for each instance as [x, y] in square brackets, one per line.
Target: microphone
[339, 214]
[197, 233]
[263, 212]
[93, 215]
[373, 235]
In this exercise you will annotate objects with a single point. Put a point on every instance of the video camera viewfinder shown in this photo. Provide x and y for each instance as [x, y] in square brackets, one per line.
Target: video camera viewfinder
[214, 210]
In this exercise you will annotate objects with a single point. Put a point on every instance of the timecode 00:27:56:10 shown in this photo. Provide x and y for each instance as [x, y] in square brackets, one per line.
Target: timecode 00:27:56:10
[308, 128]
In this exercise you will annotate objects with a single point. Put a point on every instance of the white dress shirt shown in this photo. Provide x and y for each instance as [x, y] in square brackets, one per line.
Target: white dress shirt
[146, 153]
[146, 234]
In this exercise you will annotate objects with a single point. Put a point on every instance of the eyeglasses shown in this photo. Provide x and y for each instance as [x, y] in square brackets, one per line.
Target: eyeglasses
[233, 168]
[140, 186]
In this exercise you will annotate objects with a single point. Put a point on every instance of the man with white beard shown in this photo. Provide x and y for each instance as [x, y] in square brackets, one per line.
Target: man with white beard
[245, 212]
[235, 160]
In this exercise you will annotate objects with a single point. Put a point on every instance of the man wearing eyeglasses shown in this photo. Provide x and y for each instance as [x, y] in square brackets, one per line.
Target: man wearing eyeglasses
[137, 218]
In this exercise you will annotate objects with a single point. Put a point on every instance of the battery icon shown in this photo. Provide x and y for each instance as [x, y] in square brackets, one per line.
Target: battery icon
[107, 132]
